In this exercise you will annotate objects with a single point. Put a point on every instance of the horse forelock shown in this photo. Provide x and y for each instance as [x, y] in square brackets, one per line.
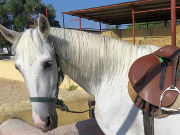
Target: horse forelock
[31, 46]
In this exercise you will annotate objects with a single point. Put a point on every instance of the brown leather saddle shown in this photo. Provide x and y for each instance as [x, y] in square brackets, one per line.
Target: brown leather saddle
[155, 76]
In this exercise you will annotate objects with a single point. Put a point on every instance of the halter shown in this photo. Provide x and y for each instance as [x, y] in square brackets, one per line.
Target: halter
[58, 102]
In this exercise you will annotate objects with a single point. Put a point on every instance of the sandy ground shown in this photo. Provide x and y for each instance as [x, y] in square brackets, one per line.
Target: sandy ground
[15, 91]
[14, 103]
[12, 91]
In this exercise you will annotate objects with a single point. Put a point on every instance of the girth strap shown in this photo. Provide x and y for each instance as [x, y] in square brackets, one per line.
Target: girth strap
[173, 77]
[148, 122]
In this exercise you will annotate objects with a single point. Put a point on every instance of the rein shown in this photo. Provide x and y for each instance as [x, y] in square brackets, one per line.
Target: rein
[58, 102]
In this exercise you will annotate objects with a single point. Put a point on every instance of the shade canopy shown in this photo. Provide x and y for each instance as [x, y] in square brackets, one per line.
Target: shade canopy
[116, 14]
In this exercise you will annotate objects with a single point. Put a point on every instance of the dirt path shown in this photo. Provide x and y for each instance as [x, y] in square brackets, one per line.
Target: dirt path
[14, 103]
[12, 91]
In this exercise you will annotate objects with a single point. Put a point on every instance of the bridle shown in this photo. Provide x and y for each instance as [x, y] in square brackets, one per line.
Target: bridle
[58, 102]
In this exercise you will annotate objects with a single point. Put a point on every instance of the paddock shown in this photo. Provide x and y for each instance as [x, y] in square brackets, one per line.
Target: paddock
[16, 105]
[12, 105]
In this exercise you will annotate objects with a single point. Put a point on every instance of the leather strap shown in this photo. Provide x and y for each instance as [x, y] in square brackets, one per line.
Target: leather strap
[162, 77]
[41, 99]
[148, 122]
[59, 103]
[173, 77]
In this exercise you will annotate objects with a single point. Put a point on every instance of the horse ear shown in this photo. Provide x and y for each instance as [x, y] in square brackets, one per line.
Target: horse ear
[43, 25]
[10, 35]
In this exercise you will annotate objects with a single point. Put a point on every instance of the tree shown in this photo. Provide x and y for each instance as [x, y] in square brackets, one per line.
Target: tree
[34, 7]
[51, 11]
[14, 14]
[5, 22]
[17, 11]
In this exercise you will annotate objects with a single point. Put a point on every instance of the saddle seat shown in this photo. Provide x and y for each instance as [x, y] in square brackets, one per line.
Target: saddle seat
[145, 76]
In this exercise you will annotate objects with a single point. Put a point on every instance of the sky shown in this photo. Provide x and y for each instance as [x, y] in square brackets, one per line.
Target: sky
[70, 5]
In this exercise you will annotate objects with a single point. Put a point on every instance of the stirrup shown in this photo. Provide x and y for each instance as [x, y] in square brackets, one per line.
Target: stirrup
[168, 109]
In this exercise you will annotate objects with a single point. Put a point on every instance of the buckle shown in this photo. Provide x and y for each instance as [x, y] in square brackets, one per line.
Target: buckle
[60, 104]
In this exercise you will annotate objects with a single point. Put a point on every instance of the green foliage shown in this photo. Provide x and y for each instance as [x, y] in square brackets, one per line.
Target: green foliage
[19, 11]
[32, 6]
[35, 7]
[72, 87]
[14, 7]
[4, 21]
[3, 42]
[16, 10]
[51, 11]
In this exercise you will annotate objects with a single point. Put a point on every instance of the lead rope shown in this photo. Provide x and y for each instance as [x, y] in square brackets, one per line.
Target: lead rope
[63, 107]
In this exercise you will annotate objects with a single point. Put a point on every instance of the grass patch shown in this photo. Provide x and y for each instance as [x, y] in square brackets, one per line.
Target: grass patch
[72, 87]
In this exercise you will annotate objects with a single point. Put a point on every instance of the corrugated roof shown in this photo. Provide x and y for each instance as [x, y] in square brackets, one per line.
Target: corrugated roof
[121, 13]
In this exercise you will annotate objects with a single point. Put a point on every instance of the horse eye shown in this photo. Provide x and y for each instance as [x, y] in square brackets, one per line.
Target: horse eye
[47, 64]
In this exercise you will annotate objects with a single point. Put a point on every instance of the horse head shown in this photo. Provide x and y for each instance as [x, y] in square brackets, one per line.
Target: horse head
[36, 61]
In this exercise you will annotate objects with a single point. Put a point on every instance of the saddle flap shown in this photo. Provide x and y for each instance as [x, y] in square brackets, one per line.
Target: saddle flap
[144, 76]
[141, 67]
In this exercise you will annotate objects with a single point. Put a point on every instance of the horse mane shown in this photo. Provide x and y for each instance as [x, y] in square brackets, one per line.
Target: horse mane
[95, 56]
[90, 51]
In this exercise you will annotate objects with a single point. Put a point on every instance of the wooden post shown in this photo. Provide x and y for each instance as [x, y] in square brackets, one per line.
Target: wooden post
[173, 22]
[63, 20]
[100, 27]
[147, 24]
[133, 22]
[46, 13]
[80, 23]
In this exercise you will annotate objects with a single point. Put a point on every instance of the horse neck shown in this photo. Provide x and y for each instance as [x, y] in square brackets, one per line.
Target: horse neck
[95, 60]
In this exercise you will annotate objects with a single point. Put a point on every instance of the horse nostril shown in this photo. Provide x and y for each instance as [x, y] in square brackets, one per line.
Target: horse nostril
[48, 122]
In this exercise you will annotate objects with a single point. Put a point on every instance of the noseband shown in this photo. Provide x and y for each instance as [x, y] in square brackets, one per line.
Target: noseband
[59, 103]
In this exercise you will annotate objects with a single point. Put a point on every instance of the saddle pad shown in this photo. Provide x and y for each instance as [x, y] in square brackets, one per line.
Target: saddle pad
[144, 76]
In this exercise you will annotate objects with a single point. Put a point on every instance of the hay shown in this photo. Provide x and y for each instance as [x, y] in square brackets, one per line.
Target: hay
[152, 36]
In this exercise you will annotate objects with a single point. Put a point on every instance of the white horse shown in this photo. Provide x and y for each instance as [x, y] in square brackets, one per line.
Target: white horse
[99, 64]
